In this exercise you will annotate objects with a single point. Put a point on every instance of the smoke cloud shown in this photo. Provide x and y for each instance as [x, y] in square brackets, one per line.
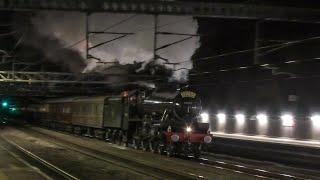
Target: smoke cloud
[69, 27]
[45, 38]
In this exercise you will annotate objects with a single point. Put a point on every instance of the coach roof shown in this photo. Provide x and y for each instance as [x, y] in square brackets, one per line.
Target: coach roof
[77, 99]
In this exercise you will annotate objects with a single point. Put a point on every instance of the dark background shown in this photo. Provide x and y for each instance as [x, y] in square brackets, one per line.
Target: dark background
[257, 88]
[250, 88]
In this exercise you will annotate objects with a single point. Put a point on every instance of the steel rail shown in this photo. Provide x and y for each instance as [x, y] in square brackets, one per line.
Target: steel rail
[38, 159]
[104, 156]
[220, 164]
[257, 172]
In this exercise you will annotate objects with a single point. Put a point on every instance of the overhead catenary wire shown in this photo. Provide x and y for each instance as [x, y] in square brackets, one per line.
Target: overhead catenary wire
[105, 29]
[265, 65]
[7, 34]
[289, 43]
[3, 52]
[17, 43]
[231, 53]
[136, 31]
[313, 76]
[6, 25]
[123, 21]
[276, 47]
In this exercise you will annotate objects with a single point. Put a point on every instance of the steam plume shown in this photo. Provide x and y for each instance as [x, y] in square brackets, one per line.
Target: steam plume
[69, 28]
[47, 40]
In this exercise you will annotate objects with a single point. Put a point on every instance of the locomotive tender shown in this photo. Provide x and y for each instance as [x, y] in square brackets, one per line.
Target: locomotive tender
[167, 123]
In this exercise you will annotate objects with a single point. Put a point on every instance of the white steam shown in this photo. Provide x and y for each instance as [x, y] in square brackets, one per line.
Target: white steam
[69, 27]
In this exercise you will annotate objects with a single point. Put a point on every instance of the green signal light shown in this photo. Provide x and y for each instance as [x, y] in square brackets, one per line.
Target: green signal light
[4, 104]
[13, 109]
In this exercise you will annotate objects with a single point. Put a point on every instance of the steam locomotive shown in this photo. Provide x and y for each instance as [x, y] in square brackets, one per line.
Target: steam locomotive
[167, 123]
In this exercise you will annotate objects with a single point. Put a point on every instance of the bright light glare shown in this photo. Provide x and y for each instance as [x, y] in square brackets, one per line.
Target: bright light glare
[189, 129]
[13, 109]
[315, 119]
[4, 104]
[221, 117]
[262, 118]
[287, 120]
[240, 118]
[205, 117]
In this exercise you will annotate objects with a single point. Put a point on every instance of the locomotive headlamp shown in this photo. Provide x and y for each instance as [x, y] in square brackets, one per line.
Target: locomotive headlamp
[204, 117]
[189, 129]
[175, 138]
[207, 139]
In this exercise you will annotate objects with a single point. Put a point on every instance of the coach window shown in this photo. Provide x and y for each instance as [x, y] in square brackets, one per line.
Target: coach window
[83, 109]
[97, 108]
[53, 108]
[66, 109]
[76, 108]
[100, 108]
[90, 109]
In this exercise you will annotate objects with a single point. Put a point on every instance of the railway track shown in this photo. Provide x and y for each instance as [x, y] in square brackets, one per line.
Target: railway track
[254, 171]
[238, 168]
[269, 168]
[49, 169]
[218, 163]
[153, 172]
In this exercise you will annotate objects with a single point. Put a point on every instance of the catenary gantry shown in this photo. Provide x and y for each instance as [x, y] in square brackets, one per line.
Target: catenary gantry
[22, 83]
[42, 82]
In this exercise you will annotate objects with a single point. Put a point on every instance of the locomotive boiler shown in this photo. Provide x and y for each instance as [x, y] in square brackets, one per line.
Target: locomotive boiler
[170, 123]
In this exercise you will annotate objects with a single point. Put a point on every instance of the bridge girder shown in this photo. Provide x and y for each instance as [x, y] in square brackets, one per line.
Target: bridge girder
[223, 10]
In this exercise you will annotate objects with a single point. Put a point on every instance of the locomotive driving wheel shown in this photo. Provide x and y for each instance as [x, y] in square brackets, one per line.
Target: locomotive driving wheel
[124, 140]
[119, 139]
[151, 145]
[107, 135]
[144, 145]
[115, 137]
[170, 151]
[135, 143]
[196, 151]
[160, 148]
